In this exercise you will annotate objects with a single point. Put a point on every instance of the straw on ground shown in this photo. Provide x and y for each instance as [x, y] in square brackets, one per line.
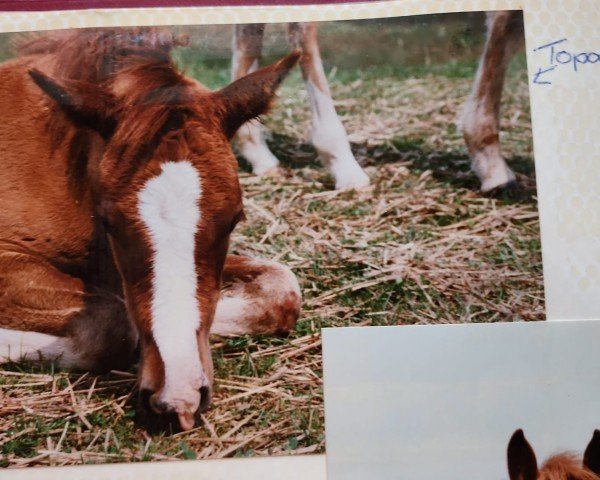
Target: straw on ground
[421, 246]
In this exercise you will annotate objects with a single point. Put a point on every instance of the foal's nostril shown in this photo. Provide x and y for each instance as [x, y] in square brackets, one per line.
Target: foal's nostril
[157, 405]
[205, 399]
[144, 399]
[161, 414]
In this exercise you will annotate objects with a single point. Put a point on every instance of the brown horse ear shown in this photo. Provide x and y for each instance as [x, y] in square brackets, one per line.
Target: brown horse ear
[522, 464]
[85, 104]
[591, 457]
[252, 95]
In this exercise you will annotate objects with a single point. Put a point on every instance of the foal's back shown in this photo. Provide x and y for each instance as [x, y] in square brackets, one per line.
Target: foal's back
[48, 163]
[40, 198]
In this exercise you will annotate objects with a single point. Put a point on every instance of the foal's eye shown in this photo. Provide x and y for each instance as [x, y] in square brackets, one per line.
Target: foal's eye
[104, 221]
[107, 226]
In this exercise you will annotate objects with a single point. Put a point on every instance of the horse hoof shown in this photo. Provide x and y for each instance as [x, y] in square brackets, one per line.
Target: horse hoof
[357, 182]
[510, 187]
[275, 172]
[499, 182]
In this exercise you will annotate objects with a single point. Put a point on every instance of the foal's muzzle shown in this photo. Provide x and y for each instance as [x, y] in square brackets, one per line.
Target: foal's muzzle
[162, 416]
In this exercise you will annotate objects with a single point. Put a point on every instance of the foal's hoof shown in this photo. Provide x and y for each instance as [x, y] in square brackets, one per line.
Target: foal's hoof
[359, 181]
[511, 188]
[501, 179]
[275, 172]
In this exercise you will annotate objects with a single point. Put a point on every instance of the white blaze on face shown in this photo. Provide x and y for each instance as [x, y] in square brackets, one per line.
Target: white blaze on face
[169, 207]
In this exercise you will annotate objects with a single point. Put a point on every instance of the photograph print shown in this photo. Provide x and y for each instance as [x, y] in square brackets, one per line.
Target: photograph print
[492, 401]
[186, 207]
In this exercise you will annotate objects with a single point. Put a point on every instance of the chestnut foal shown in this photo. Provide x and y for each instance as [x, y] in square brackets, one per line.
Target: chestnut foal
[522, 464]
[480, 120]
[120, 191]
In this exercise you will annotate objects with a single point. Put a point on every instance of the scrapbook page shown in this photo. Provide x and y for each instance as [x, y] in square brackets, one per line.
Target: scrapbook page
[192, 193]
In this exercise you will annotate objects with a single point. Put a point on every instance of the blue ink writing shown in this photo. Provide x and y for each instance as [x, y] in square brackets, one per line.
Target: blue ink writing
[537, 77]
[558, 55]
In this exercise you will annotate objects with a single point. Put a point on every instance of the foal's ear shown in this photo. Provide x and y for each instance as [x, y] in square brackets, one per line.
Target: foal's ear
[591, 457]
[522, 464]
[84, 103]
[252, 95]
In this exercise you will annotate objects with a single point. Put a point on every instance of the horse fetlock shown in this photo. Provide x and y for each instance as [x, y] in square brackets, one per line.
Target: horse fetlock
[254, 149]
[340, 161]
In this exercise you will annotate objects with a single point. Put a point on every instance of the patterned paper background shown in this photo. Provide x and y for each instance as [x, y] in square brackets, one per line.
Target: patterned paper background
[566, 128]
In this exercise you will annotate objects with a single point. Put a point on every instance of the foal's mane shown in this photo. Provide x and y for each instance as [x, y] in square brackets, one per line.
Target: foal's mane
[92, 55]
[136, 58]
[565, 466]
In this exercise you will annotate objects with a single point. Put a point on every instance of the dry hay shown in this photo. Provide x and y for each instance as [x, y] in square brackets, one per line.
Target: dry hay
[421, 246]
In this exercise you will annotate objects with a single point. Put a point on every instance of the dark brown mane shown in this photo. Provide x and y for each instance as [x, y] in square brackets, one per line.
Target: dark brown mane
[131, 63]
[565, 466]
[160, 103]
[92, 55]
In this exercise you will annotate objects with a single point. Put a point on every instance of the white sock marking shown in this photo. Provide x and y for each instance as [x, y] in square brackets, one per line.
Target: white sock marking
[250, 138]
[240, 309]
[331, 141]
[169, 206]
[17, 346]
[230, 315]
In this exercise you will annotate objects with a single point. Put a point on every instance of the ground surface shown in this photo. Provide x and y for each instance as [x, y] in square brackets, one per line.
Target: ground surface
[421, 246]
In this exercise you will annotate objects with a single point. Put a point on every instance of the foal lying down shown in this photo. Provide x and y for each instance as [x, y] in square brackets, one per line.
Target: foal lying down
[120, 191]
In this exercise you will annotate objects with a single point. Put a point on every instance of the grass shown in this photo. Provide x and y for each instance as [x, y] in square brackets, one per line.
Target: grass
[421, 246]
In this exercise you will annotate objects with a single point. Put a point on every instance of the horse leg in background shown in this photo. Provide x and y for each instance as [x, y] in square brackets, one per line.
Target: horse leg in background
[247, 46]
[481, 116]
[47, 315]
[328, 134]
[257, 297]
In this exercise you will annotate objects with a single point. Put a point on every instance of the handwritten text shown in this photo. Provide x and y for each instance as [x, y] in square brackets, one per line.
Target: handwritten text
[557, 56]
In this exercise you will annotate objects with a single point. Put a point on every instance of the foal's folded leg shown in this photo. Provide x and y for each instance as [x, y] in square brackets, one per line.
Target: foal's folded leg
[258, 297]
[47, 315]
